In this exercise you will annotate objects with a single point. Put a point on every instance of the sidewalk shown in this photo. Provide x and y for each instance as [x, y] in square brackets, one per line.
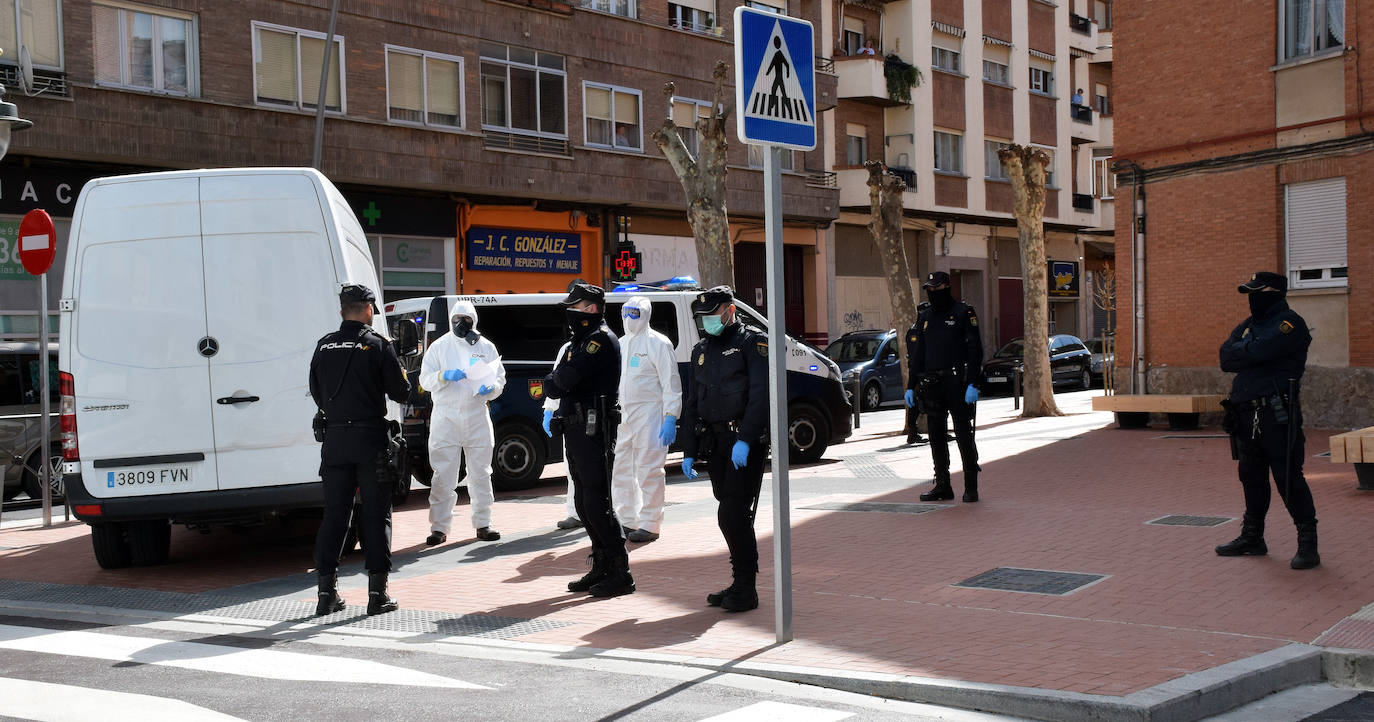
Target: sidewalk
[875, 591]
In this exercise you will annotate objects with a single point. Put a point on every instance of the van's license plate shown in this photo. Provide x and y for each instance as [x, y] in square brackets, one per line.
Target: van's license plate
[998, 379]
[161, 476]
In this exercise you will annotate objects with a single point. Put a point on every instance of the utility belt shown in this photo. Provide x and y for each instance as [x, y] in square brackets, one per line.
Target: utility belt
[357, 424]
[717, 427]
[590, 418]
[952, 372]
[1241, 419]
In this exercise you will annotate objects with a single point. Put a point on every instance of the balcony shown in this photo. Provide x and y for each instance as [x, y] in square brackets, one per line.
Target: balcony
[1084, 128]
[853, 184]
[690, 26]
[1083, 202]
[1084, 35]
[1104, 48]
[861, 79]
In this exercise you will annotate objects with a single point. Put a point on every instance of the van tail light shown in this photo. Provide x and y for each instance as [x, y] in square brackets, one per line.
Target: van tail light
[66, 387]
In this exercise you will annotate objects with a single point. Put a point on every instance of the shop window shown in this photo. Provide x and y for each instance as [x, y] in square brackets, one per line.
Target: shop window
[286, 64]
[145, 49]
[424, 87]
[410, 266]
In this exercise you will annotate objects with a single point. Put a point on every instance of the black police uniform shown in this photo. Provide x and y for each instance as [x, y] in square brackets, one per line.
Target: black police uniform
[944, 357]
[352, 373]
[727, 401]
[586, 383]
[1268, 353]
[913, 412]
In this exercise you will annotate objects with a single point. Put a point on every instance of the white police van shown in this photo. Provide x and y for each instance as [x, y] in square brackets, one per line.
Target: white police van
[528, 330]
[191, 303]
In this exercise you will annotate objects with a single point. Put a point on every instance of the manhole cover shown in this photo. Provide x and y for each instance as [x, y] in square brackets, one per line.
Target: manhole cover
[1031, 581]
[885, 506]
[1186, 520]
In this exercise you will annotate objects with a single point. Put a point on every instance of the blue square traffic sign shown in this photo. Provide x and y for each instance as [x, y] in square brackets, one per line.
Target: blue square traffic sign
[775, 80]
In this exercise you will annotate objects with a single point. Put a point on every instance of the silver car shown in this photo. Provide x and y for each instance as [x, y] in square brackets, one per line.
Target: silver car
[20, 412]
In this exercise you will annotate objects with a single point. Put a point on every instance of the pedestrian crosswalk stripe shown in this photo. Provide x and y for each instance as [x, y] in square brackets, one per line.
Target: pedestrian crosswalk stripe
[219, 658]
[780, 712]
[46, 702]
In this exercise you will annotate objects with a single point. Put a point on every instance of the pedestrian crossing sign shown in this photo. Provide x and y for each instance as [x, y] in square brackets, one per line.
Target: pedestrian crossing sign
[775, 80]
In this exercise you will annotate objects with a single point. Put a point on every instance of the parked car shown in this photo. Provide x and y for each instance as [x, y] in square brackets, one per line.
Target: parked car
[869, 357]
[1070, 363]
[1102, 359]
[21, 430]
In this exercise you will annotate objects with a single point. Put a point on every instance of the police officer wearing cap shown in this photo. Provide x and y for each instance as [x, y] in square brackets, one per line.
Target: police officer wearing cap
[353, 372]
[725, 415]
[1268, 353]
[585, 382]
[944, 367]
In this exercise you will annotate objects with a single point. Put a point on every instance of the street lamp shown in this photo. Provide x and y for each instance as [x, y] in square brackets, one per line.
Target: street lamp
[9, 122]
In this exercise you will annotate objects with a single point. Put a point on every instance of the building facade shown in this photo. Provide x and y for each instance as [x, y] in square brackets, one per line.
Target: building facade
[1245, 146]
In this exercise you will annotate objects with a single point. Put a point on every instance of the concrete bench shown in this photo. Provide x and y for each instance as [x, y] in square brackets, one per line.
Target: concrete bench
[1356, 447]
[1133, 410]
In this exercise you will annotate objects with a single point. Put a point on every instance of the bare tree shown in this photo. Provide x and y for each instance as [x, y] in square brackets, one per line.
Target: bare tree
[1025, 166]
[885, 200]
[703, 181]
[1104, 297]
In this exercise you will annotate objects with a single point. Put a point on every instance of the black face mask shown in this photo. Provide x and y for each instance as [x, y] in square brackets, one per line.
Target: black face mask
[1262, 301]
[940, 297]
[581, 322]
[463, 330]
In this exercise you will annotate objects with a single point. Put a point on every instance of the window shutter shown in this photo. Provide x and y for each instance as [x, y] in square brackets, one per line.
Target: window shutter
[106, 30]
[684, 114]
[402, 82]
[312, 59]
[706, 6]
[626, 108]
[441, 85]
[276, 66]
[39, 25]
[599, 103]
[1316, 224]
[854, 25]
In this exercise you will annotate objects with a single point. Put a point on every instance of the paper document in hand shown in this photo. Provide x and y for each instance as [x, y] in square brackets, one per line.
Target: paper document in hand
[480, 373]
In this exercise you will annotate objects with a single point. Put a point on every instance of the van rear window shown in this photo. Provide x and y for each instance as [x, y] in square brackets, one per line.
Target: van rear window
[524, 333]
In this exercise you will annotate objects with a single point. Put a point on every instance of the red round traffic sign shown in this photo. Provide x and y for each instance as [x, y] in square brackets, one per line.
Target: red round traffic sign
[37, 241]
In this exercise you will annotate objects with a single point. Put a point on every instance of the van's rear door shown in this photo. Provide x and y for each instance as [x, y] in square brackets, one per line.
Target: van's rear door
[142, 385]
[270, 292]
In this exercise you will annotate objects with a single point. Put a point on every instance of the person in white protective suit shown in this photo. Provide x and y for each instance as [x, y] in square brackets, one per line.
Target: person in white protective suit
[571, 521]
[462, 371]
[650, 402]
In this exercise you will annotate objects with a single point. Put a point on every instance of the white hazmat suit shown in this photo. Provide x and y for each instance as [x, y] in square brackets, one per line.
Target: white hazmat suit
[650, 389]
[460, 424]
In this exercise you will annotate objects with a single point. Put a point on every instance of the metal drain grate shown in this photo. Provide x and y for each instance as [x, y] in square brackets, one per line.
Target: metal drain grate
[1186, 520]
[884, 506]
[276, 610]
[1031, 581]
[868, 466]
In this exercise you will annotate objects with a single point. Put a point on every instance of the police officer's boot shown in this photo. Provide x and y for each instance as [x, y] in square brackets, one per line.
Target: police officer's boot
[329, 599]
[1307, 556]
[715, 598]
[741, 596]
[617, 580]
[597, 573]
[940, 492]
[378, 601]
[971, 486]
[1250, 541]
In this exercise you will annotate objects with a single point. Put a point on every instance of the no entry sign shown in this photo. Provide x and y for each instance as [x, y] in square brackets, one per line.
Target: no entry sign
[37, 241]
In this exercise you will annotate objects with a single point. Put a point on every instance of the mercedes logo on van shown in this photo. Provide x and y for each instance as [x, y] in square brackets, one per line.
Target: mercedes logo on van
[208, 346]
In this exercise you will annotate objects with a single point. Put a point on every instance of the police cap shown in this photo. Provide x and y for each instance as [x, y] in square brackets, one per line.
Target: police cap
[1263, 280]
[935, 279]
[354, 293]
[581, 291]
[708, 300]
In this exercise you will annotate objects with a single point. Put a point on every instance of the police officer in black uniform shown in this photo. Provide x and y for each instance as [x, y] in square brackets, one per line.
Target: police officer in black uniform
[586, 384]
[944, 368]
[1268, 352]
[913, 409]
[726, 415]
[352, 373]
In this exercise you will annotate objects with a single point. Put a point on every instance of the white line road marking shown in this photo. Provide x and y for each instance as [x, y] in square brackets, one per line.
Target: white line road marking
[46, 702]
[218, 658]
[780, 712]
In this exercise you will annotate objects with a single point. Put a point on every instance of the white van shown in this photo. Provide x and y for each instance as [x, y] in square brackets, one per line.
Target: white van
[191, 304]
[528, 330]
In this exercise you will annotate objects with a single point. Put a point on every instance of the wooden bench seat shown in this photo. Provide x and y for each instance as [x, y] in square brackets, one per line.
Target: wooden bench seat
[1133, 410]
[1356, 447]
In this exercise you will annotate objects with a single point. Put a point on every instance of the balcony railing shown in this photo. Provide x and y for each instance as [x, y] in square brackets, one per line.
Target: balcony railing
[696, 27]
[52, 83]
[825, 65]
[1080, 24]
[499, 140]
[907, 175]
[623, 8]
[1083, 202]
[822, 179]
[1081, 113]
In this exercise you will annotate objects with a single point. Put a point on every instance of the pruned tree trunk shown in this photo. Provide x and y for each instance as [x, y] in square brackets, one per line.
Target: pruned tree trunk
[1025, 166]
[703, 181]
[885, 200]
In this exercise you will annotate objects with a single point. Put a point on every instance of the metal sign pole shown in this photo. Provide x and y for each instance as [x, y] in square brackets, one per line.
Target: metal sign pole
[44, 453]
[777, 393]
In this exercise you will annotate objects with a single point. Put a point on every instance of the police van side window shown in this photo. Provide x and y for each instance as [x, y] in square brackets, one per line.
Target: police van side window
[524, 333]
[663, 319]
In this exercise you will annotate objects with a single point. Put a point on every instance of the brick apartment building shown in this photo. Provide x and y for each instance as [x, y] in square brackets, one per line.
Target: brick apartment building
[995, 72]
[444, 120]
[1250, 128]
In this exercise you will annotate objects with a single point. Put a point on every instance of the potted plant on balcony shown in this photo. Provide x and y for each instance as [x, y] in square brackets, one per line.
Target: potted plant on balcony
[901, 78]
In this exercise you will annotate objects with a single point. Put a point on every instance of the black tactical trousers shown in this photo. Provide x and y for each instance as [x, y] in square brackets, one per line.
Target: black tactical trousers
[1266, 452]
[589, 467]
[943, 397]
[736, 490]
[349, 463]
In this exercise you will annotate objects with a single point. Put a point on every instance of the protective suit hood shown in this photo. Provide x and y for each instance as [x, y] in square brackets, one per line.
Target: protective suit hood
[635, 326]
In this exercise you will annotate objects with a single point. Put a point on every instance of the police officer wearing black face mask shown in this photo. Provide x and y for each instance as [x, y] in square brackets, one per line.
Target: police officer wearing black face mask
[353, 372]
[1268, 353]
[944, 367]
[725, 414]
[586, 384]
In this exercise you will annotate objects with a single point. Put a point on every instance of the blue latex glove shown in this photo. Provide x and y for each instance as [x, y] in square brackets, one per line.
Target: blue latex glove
[485, 389]
[687, 467]
[668, 432]
[454, 375]
[548, 417]
[739, 456]
[970, 394]
[910, 398]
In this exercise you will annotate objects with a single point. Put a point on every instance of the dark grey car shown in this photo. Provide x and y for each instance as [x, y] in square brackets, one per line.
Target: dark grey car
[870, 357]
[20, 411]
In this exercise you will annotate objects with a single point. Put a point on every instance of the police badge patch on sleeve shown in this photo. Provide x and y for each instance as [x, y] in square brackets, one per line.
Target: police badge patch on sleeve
[1285, 327]
[762, 347]
[593, 347]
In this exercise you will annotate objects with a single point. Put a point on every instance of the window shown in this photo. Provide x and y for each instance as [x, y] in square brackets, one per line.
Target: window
[1308, 27]
[37, 23]
[856, 145]
[1104, 180]
[992, 165]
[949, 152]
[766, 7]
[523, 91]
[286, 64]
[756, 157]
[690, 18]
[145, 49]
[612, 116]
[662, 318]
[527, 333]
[423, 87]
[853, 36]
[995, 72]
[1049, 167]
[627, 8]
[944, 59]
[1314, 224]
[685, 115]
[1101, 101]
[1042, 80]
[1102, 13]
